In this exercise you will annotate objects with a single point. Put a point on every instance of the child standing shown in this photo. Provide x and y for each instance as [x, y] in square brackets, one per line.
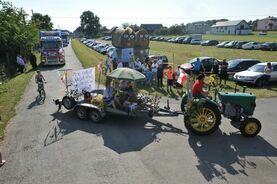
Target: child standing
[169, 75]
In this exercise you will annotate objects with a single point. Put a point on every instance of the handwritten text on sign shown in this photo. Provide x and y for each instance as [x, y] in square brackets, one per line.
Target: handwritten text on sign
[84, 79]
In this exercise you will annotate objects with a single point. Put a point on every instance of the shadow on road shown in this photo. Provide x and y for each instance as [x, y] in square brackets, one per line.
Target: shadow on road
[121, 134]
[36, 102]
[218, 154]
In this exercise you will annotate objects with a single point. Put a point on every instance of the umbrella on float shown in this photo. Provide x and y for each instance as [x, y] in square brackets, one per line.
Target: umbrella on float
[126, 74]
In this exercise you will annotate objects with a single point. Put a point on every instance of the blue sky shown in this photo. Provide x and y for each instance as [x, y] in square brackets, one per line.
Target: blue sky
[65, 14]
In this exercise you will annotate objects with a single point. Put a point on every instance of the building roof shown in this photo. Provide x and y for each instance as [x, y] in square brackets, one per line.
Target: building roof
[227, 23]
[151, 26]
[269, 18]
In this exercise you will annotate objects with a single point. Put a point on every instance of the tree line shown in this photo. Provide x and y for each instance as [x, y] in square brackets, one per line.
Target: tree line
[18, 35]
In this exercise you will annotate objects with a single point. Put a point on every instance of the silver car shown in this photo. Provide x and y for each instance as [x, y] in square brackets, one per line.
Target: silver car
[254, 75]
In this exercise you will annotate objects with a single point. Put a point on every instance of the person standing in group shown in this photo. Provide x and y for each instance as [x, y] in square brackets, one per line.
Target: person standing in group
[108, 63]
[154, 68]
[21, 63]
[114, 63]
[119, 64]
[267, 71]
[33, 60]
[137, 65]
[197, 67]
[176, 76]
[215, 68]
[169, 75]
[160, 73]
[223, 74]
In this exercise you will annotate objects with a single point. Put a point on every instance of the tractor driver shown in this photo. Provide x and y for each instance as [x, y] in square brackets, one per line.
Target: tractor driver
[197, 88]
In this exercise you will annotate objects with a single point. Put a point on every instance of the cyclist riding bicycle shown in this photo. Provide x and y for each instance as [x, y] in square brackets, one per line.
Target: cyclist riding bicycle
[39, 80]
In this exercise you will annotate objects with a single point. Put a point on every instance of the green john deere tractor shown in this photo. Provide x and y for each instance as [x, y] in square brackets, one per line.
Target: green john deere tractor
[202, 116]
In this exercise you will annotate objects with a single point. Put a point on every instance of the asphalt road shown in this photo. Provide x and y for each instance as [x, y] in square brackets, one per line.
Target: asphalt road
[45, 146]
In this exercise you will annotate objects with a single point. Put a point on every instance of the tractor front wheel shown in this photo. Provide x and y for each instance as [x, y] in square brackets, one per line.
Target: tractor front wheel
[250, 127]
[204, 120]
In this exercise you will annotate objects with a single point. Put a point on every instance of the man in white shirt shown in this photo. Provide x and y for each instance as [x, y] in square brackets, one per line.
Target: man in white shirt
[160, 61]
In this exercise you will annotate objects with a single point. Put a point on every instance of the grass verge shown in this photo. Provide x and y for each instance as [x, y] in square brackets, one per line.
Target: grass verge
[10, 94]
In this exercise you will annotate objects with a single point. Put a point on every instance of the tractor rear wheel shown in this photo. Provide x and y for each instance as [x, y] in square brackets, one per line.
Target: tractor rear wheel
[250, 127]
[204, 120]
[184, 102]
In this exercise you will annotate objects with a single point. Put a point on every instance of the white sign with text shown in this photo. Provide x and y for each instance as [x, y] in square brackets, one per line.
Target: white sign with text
[84, 80]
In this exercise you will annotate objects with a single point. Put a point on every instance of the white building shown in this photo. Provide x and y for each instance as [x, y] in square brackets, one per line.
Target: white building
[236, 27]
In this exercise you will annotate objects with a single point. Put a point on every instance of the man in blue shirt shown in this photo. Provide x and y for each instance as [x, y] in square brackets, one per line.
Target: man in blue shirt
[197, 66]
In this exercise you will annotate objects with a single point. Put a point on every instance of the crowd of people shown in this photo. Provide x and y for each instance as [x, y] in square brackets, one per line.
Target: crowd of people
[154, 70]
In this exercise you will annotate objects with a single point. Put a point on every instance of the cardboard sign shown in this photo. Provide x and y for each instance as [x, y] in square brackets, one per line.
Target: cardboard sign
[84, 80]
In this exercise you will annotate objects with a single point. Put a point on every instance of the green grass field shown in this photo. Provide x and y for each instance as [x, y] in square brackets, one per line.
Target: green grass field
[179, 54]
[270, 37]
[10, 94]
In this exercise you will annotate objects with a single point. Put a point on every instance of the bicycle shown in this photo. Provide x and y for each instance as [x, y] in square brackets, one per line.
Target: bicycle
[41, 91]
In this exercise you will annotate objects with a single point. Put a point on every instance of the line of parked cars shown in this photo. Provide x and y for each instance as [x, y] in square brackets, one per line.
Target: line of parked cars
[247, 45]
[249, 71]
[102, 48]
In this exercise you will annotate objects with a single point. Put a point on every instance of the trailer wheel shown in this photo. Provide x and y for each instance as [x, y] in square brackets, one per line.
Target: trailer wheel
[81, 112]
[203, 121]
[95, 116]
[250, 127]
[68, 102]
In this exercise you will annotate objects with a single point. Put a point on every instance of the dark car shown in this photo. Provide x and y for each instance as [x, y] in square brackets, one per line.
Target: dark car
[237, 65]
[269, 46]
[209, 43]
[222, 44]
[179, 39]
[207, 62]
[187, 40]
[239, 44]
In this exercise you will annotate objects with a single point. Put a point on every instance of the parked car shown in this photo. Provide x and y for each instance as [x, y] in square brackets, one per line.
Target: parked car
[269, 46]
[195, 42]
[187, 40]
[231, 44]
[237, 65]
[209, 43]
[179, 39]
[239, 44]
[158, 57]
[254, 75]
[222, 44]
[251, 46]
[262, 33]
[207, 62]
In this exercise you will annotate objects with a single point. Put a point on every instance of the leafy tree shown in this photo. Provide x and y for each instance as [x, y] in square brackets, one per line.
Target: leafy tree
[162, 31]
[42, 21]
[90, 24]
[17, 36]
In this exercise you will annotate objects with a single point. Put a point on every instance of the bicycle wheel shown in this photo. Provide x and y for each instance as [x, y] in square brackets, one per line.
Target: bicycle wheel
[42, 95]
